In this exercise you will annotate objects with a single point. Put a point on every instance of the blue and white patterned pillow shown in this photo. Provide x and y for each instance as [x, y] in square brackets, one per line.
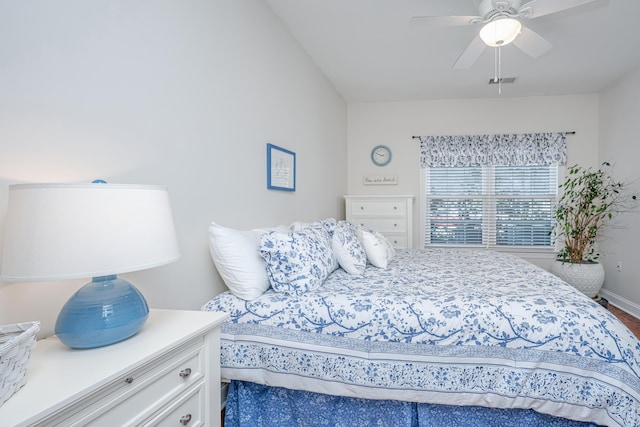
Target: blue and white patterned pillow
[297, 262]
[327, 225]
[347, 248]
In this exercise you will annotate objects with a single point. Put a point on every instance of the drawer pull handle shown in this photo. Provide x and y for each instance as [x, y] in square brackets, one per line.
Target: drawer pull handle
[395, 208]
[128, 380]
[395, 225]
[185, 373]
[184, 420]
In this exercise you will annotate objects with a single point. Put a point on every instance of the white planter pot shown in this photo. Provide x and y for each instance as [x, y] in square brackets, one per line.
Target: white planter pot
[587, 278]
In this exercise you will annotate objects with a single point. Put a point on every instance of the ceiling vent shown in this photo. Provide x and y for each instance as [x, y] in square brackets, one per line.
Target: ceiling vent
[503, 80]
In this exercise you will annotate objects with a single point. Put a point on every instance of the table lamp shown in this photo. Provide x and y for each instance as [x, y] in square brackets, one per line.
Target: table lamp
[93, 230]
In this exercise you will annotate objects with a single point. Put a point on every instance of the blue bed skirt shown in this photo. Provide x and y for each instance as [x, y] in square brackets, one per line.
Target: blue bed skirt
[254, 405]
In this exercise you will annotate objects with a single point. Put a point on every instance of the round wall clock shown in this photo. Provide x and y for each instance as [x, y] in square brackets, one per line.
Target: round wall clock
[381, 155]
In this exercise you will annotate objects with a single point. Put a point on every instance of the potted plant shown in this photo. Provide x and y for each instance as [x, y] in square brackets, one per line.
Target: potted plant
[589, 202]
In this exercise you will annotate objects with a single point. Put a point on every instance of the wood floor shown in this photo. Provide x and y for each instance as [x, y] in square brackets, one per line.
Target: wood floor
[631, 322]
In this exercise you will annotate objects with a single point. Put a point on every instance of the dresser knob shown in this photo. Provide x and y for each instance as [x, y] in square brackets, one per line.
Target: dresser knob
[395, 208]
[185, 373]
[184, 420]
[361, 208]
[128, 380]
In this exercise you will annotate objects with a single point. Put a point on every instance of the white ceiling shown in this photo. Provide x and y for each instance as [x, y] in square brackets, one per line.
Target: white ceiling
[370, 52]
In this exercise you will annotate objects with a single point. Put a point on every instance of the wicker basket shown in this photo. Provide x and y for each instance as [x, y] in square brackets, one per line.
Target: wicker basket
[16, 342]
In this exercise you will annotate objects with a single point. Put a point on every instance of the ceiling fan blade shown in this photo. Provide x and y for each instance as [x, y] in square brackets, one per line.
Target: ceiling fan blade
[470, 54]
[538, 8]
[442, 21]
[532, 43]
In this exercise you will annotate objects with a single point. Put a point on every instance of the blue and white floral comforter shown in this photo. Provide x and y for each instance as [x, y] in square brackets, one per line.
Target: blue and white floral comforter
[447, 326]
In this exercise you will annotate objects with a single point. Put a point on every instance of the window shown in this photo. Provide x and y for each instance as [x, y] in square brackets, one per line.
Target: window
[490, 205]
[494, 191]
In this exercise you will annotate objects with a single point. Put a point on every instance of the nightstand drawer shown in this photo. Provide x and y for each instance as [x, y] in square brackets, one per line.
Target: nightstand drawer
[143, 391]
[186, 411]
[175, 377]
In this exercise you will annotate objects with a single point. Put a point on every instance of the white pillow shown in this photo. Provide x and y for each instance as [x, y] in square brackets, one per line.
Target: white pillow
[347, 248]
[299, 225]
[297, 262]
[391, 251]
[235, 254]
[375, 248]
[328, 224]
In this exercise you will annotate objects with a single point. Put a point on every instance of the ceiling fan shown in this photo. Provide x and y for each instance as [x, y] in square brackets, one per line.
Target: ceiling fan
[501, 22]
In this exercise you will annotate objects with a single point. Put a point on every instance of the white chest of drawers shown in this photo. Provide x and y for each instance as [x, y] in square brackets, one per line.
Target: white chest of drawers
[166, 375]
[390, 215]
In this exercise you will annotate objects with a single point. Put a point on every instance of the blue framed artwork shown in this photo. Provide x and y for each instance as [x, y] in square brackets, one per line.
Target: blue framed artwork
[281, 168]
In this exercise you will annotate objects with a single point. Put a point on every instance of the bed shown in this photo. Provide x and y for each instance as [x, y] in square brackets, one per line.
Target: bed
[436, 337]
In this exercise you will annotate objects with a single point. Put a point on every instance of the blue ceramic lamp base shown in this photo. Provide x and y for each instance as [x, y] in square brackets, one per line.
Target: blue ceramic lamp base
[103, 312]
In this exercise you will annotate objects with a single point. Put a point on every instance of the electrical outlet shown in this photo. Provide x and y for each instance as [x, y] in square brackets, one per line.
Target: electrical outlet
[619, 266]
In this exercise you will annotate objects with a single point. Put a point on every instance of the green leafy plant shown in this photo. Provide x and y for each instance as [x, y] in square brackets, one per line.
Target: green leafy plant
[590, 200]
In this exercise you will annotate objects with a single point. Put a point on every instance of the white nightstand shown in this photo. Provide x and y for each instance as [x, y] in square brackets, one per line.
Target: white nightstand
[167, 374]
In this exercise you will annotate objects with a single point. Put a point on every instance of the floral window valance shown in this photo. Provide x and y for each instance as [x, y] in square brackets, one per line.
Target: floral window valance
[483, 150]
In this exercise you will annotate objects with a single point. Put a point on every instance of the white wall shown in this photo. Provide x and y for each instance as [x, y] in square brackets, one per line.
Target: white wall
[393, 124]
[182, 94]
[620, 144]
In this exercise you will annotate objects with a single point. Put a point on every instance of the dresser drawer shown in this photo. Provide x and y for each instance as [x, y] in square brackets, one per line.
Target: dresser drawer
[398, 241]
[381, 208]
[143, 391]
[394, 225]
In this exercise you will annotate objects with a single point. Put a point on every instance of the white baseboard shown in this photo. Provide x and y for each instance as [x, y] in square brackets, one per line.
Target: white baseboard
[629, 306]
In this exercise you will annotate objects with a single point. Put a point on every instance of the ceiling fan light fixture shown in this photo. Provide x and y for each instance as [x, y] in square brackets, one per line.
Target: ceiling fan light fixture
[500, 32]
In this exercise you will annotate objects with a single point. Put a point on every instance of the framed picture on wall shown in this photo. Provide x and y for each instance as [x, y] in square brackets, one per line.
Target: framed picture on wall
[281, 168]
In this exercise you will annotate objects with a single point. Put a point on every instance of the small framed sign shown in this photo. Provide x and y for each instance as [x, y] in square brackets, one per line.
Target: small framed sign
[380, 180]
[281, 168]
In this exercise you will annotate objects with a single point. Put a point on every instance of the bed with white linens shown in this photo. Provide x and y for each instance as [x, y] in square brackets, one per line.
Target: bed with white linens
[416, 337]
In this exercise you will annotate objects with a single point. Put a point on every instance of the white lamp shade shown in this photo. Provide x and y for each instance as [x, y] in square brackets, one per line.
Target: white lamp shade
[500, 32]
[68, 231]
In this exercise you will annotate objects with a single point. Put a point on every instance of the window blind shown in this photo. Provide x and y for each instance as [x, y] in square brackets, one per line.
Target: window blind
[490, 205]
